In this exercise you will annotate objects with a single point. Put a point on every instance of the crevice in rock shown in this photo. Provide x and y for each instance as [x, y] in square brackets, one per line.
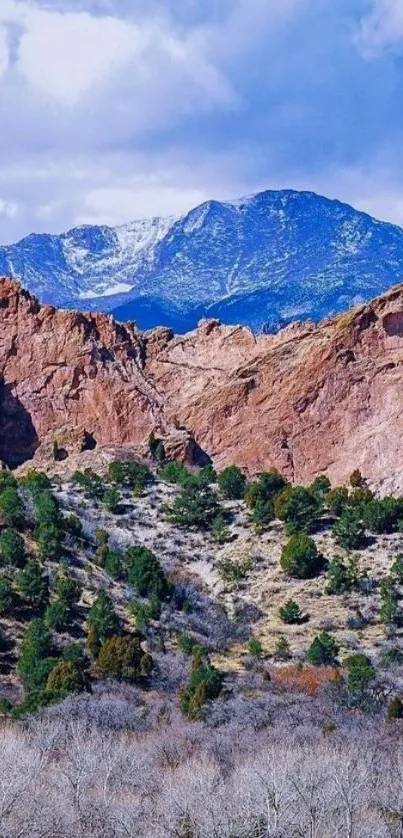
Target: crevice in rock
[18, 437]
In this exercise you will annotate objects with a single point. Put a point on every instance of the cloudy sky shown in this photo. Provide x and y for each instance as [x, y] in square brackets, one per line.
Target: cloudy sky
[118, 109]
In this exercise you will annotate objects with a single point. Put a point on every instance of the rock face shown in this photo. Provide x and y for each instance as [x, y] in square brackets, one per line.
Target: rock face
[308, 400]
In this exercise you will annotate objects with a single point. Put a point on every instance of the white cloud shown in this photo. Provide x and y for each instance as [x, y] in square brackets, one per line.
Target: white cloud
[91, 90]
[117, 205]
[65, 55]
[4, 51]
[8, 208]
[382, 27]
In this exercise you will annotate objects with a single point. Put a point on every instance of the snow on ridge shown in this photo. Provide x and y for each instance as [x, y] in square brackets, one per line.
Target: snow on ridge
[119, 288]
[136, 235]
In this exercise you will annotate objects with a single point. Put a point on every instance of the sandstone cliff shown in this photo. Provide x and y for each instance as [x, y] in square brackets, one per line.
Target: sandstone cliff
[309, 400]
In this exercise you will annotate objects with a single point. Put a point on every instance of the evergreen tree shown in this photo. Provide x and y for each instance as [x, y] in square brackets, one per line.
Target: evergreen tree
[232, 483]
[6, 595]
[103, 620]
[323, 650]
[11, 507]
[348, 531]
[336, 500]
[33, 585]
[341, 577]
[290, 612]
[111, 499]
[196, 506]
[265, 489]
[12, 548]
[300, 557]
[297, 507]
[145, 574]
[35, 662]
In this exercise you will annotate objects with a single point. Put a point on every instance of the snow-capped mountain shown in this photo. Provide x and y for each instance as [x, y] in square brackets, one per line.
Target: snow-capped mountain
[264, 259]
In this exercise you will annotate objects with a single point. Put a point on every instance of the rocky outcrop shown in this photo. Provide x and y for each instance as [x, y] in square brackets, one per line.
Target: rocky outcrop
[308, 400]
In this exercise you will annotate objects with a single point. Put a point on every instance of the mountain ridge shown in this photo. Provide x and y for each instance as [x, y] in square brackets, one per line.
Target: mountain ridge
[308, 400]
[262, 260]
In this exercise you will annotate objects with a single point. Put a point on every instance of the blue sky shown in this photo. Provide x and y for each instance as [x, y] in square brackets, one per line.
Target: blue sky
[118, 109]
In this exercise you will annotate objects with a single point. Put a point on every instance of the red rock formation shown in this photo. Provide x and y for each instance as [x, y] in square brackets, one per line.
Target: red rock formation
[309, 400]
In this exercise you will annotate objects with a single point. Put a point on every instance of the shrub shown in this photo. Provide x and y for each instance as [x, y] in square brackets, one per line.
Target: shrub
[295, 678]
[36, 700]
[111, 499]
[143, 612]
[57, 616]
[341, 576]
[360, 673]
[348, 531]
[124, 659]
[392, 657]
[282, 651]
[356, 479]
[232, 483]
[396, 571]
[113, 564]
[49, 538]
[323, 650]
[6, 595]
[74, 652]
[297, 507]
[67, 678]
[255, 648]
[68, 589]
[73, 526]
[11, 507]
[300, 557]
[382, 516]
[135, 476]
[389, 612]
[262, 514]
[290, 613]
[360, 497]
[395, 708]
[207, 475]
[174, 472]
[90, 482]
[320, 488]
[204, 685]
[233, 571]
[33, 585]
[219, 528]
[47, 509]
[36, 482]
[7, 480]
[5, 706]
[265, 489]
[336, 500]
[187, 644]
[145, 574]
[12, 548]
[196, 506]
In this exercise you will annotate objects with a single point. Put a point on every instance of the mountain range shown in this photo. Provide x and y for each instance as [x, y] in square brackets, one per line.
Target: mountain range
[261, 261]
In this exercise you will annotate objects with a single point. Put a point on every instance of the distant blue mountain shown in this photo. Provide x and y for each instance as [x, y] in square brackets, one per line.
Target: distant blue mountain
[261, 261]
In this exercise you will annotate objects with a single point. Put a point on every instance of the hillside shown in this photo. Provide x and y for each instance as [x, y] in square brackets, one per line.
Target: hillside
[266, 259]
[185, 555]
[162, 631]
